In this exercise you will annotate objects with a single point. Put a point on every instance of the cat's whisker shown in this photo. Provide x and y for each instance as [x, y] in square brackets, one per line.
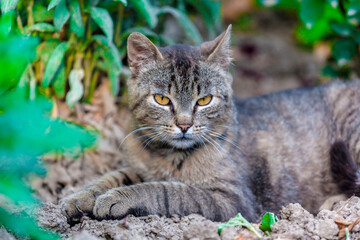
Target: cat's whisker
[220, 136]
[212, 142]
[203, 142]
[151, 138]
[134, 131]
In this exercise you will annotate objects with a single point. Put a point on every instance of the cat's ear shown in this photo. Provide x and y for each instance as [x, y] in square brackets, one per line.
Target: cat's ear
[218, 51]
[141, 51]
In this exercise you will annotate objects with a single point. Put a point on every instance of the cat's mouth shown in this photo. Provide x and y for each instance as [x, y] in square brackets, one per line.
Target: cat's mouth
[183, 139]
[183, 142]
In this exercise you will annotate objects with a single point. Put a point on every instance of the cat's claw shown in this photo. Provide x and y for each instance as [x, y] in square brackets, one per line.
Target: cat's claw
[76, 205]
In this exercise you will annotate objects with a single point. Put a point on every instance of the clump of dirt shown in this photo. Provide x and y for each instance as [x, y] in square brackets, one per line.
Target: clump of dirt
[150, 227]
[295, 223]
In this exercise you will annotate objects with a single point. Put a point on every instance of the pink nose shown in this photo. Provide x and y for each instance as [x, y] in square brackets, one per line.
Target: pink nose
[184, 127]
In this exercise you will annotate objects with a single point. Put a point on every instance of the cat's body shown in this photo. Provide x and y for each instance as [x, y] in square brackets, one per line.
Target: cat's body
[226, 156]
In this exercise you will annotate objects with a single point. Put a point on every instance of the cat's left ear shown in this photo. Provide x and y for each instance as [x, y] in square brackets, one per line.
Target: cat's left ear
[218, 51]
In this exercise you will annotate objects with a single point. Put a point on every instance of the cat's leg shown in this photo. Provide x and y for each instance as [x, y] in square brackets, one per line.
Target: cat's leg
[82, 202]
[166, 199]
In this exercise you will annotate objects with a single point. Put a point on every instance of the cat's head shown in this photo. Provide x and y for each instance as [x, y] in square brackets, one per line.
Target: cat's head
[180, 95]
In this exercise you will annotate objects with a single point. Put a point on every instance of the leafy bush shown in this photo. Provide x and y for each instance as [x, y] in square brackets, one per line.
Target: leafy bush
[333, 21]
[27, 132]
[82, 39]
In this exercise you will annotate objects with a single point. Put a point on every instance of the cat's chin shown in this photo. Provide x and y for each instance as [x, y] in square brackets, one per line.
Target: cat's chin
[183, 143]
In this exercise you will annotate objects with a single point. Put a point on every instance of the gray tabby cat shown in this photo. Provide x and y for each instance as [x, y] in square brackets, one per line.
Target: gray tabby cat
[193, 148]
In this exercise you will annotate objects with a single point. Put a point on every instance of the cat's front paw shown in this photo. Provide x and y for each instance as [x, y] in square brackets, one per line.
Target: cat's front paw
[117, 204]
[76, 205]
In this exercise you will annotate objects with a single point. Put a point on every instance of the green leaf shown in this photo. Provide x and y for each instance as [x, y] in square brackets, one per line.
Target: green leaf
[28, 133]
[210, 13]
[343, 29]
[268, 220]
[354, 20]
[321, 28]
[45, 49]
[61, 15]
[103, 19]
[8, 5]
[6, 24]
[189, 28]
[311, 11]
[357, 37]
[333, 3]
[122, 1]
[239, 220]
[353, 8]
[347, 234]
[344, 50]
[76, 23]
[76, 87]
[54, 63]
[146, 11]
[144, 30]
[269, 3]
[53, 3]
[114, 55]
[41, 14]
[113, 74]
[15, 54]
[24, 227]
[59, 82]
[330, 71]
[114, 80]
[42, 27]
[14, 188]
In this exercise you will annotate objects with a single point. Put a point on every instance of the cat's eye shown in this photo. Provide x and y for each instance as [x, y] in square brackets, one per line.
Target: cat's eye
[162, 100]
[204, 101]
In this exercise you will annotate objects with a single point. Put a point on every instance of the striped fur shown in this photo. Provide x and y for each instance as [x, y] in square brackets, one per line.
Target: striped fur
[241, 155]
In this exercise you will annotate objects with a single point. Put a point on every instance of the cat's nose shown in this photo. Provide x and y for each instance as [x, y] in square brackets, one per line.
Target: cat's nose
[184, 126]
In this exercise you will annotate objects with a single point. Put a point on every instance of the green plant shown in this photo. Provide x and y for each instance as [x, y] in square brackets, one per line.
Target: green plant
[239, 220]
[267, 221]
[27, 132]
[83, 39]
[333, 21]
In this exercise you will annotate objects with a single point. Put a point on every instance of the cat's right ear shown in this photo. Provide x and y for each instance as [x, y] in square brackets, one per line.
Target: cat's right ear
[141, 51]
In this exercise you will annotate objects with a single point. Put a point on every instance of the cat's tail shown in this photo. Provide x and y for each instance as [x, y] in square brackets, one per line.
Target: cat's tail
[344, 170]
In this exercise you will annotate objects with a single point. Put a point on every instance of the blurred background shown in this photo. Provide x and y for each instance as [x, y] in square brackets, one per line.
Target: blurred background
[63, 72]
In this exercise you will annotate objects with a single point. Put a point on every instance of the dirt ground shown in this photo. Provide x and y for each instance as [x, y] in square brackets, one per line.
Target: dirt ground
[264, 61]
[295, 223]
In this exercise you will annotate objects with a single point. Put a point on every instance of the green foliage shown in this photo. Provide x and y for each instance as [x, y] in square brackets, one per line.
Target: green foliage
[89, 36]
[268, 220]
[239, 220]
[336, 22]
[27, 133]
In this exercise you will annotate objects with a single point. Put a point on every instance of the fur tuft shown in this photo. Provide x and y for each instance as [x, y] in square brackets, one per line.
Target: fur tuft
[344, 170]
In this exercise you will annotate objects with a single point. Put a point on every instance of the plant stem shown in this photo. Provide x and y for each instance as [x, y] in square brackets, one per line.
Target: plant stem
[32, 84]
[19, 24]
[88, 69]
[118, 24]
[78, 60]
[69, 62]
[342, 7]
[92, 86]
[30, 19]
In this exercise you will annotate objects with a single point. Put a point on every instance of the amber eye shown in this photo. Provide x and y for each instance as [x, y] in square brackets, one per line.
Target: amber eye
[204, 101]
[162, 100]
